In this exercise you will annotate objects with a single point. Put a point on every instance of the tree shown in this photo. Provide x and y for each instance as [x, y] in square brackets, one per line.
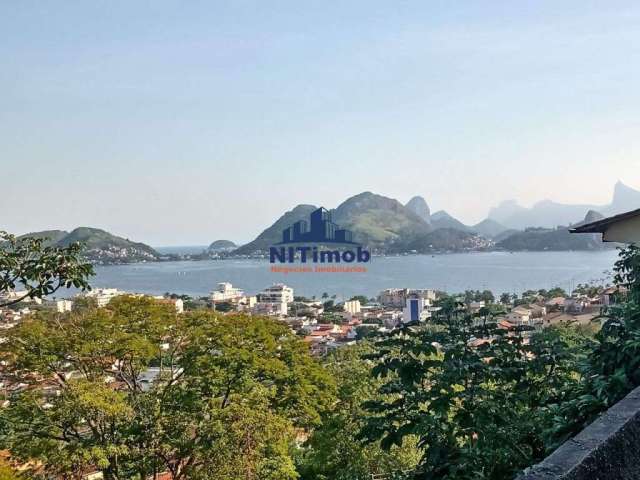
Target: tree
[476, 395]
[39, 270]
[334, 450]
[505, 298]
[8, 473]
[556, 292]
[133, 389]
[360, 298]
[613, 366]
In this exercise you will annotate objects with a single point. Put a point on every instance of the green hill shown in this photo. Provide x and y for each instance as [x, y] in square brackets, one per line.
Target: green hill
[50, 237]
[221, 245]
[100, 247]
[488, 228]
[442, 219]
[378, 221]
[541, 239]
[273, 234]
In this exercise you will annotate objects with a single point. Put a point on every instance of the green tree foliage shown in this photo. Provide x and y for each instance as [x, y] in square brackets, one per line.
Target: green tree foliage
[334, 450]
[8, 473]
[40, 270]
[361, 298]
[613, 367]
[475, 395]
[133, 389]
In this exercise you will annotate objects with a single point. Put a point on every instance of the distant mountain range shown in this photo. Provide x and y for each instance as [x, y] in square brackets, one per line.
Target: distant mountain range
[550, 214]
[100, 247]
[387, 226]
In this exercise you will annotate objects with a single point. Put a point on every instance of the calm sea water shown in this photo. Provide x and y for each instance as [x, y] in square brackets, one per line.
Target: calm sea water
[496, 271]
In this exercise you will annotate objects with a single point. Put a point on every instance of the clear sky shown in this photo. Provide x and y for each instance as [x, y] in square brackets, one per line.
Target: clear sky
[186, 121]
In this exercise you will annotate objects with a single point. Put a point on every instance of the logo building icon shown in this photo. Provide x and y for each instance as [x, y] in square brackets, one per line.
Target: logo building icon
[320, 229]
[305, 242]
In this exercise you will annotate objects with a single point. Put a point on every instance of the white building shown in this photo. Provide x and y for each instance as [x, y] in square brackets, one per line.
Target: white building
[416, 309]
[178, 303]
[64, 306]
[274, 300]
[397, 297]
[246, 303]
[352, 306]
[103, 296]
[278, 293]
[225, 292]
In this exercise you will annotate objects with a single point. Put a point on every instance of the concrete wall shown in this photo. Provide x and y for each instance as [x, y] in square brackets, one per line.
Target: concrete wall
[608, 449]
[624, 231]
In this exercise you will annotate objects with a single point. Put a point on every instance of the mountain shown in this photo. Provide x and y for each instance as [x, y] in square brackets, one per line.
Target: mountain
[99, 246]
[442, 219]
[549, 214]
[418, 205]
[221, 245]
[505, 211]
[624, 199]
[537, 239]
[506, 234]
[273, 234]
[378, 221]
[488, 228]
[591, 216]
[50, 237]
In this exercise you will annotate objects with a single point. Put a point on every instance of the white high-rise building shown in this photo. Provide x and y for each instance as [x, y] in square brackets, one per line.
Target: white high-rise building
[274, 300]
[278, 293]
[352, 306]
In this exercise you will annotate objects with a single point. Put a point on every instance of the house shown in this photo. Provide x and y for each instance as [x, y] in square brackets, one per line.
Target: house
[623, 228]
[575, 305]
[610, 295]
[519, 316]
[555, 303]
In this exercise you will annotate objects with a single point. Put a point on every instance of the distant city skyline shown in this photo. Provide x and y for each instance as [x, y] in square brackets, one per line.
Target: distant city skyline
[181, 124]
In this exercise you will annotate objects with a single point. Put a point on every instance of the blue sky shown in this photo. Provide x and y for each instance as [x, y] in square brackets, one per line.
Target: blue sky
[183, 122]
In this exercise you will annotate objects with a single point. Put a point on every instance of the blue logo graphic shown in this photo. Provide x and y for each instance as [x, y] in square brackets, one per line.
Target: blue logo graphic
[319, 231]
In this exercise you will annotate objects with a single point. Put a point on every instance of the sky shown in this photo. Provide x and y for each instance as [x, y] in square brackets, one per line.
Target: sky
[177, 123]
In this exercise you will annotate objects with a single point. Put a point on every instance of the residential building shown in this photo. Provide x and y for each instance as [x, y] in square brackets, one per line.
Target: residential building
[519, 316]
[278, 293]
[274, 300]
[416, 309]
[396, 297]
[103, 296]
[178, 303]
[225, 292]
[352, 306]
[64, 306]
